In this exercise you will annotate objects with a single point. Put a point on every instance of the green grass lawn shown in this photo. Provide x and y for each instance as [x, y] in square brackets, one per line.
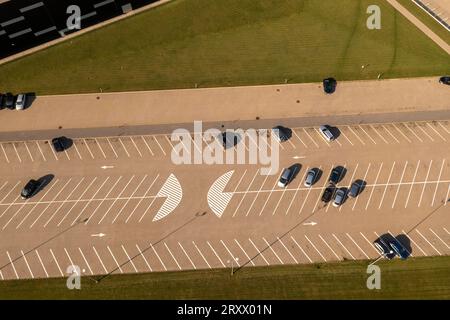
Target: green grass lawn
[231, 42]
[416, 278]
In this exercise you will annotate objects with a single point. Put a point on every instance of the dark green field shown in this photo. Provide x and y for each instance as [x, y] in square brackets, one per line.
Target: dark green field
[231, 42]
[416, 278]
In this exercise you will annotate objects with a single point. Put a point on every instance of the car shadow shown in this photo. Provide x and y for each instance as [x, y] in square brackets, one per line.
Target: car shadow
[44, 181]
[342, 172]
[296, 169]
[345, 195]
[31, 96]
[319, 173]
[334, 131]
[405, 242]
[66, 143]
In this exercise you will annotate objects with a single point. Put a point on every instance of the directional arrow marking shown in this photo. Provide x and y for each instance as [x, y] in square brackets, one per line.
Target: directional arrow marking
[217, 199]
[310, 223]
[98, 235]
[173, 192]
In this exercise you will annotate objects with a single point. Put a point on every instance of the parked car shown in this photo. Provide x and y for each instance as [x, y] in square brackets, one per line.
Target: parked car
[59, 144]
[335, 175]
[311, 177]
[339, 197]
[326, 133]
[445, 80]
[329, 85]
[281, 133]
[355, 189]
[21, 101]
[30, 189]
[286, 177]
[399, 249]
[2, 101]
[383, 248]
[327, 194]
[229, 139]
[9, 101]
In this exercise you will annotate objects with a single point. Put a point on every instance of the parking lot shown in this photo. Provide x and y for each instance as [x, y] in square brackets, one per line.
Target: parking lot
[102, 195]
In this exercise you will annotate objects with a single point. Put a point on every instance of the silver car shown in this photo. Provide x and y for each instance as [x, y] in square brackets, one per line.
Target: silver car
[326, 133]
[311, 177]
[339, 197]
[20, 102]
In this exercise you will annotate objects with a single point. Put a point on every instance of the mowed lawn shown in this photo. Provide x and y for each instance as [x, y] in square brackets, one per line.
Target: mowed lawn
[416, 278]
[189, 43]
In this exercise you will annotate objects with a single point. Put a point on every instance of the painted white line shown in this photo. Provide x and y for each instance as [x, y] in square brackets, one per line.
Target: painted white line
[412, 131]
[215, 253]
[428, 242]
[185, 253]
[56, 261]
[78, 151]
[85, 260]
[75, 203]
[12, 264]
[143, 257]
[412, 184]
[148, 147]
[345, 136]
[314, 142]
[273, 251]
[282, 194]
[156, 139]
[440, 136]
[425, 184]
[259, 252]
[139, 202]
[268, 197]
[357, 246]
[410, 238]
[10, 205]
[26, 262]
[112, 148]
[17, 153]
[1, 275]
[70, 259]
[257, 194]
[386, 129]
[88, 148]
[293, 258]
[99, 259]
[11, 190]
[370, 244]
[447, 199]
[101, 202]
[446, 230]
[371, 139]
[387, 184]
[42, 264]
[301, 249]
[243, 197]
[445, 129]
[115, 200]
[437, 184]
[136, 147]
[4, 152]
[87, 203]
[399, 185]
[242, 249]
[29, 153]
[40, 150]
[424, 132]
[329, 247]
[298, 137]
[100, 148]
[124, 148]
[1, 188]
[304, 201]
[343, 246]
[354, 133]
[404, 136]
[173, 257]
[380, 135]
[351, 180]
[196, 247]
[129, 259]
[296, 191]
[321, 137]
[231, 255]
[445, 244]
[315, 248]
[112, 255]
[373, 188]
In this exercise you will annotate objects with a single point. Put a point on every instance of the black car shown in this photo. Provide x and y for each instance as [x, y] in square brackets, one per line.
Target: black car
[335, 175]
[399, 249]
[355, 189]
[229, 139]
[9, 101]
[384, 249]
[30, 189]
[59, 143]
[329, 85]
[327, 194]
[281, 133]
[2, 99]
[445, 80]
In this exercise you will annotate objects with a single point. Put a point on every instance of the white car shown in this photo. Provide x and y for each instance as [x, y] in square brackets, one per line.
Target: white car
[326, 133]
[20, 102]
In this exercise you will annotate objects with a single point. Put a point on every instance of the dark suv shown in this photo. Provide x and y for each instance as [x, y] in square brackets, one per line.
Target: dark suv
[445, 80]
[335, 175]
[30, 189]
[9, 101]
[329, 85]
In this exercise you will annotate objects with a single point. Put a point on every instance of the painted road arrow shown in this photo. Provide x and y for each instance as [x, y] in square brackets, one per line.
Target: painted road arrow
[172, 191]
[310, 223]
[98, 235]
[107, 167]
[217, 199]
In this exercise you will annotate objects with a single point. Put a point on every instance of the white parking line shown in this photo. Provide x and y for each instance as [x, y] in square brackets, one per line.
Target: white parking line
[329, 247]
[315, 248]
[146, 144]
[343, 246]
[156, 139]
[115, 200]
[4, 152]
[17, 153]
[42, 264]
[143, 257]
[409, 237]
[298, 137]
[379, 134]
[447, 196]
[196, 247]
[112, 255]
[440, 136]
[136, 147]
[370, 244]
[26, 262]
[321, 137]
[139, 202]
[446, 230]
[132, 195]
[243, 197]
[445, 244]
[425, 183]
[354, 133]
[296, 191]
[257, 194]
[424, 132]
[437, 183]
[259, 252]
[412, 184]
[85, 260]
[100, 147]
[386, 129]
[412, 131]
[56, 261]
[282, 194]
[314, 142]
[351, 180]
[40, 150]
[70, 259]
[428, 242]
[173, 257]
[112, 148]
[74, 204]
[1, 188]
[270, 247]
[185, 253]
[99, 259]
[123, 146]
[345, 136]
[399, 185]
[268, 197]
[242, 249]
[293, 258]
[88, 148]
[404, 136]
[357, 246]
[367, 134]
[29, 153]
[10, 205]
[443, 127]
[373, 188]
[103, 200]
[387, 184]
[12, 264]
[231, 255]
[129, 259]
[215, 253]
[301, 249]
[78, 151]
